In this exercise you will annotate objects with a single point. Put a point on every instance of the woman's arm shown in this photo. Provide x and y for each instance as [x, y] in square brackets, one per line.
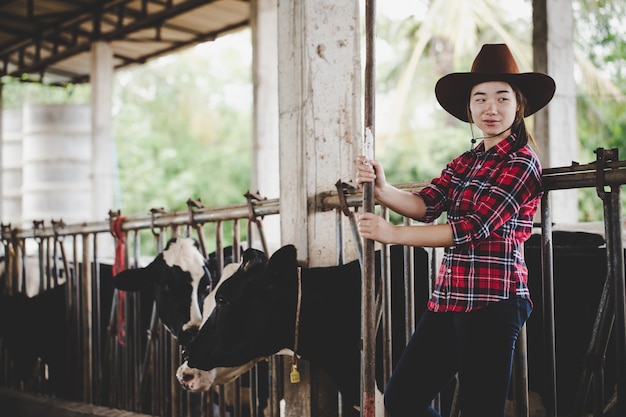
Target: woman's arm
[376, 228]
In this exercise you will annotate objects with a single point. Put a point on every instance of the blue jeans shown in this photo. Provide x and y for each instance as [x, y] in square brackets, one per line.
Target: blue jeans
[478, 345]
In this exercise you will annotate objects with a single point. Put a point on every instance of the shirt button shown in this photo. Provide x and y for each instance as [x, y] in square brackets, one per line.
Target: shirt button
[479, 165]
[458, 203]
[449, 270]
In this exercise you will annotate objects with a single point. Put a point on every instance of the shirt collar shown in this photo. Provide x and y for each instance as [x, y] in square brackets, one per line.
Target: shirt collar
[501, 149]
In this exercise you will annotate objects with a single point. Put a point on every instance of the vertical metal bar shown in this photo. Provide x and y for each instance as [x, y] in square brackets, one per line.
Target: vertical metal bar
[24, 259]
[339, 234]
[615, 256]
[520, 373]
[219, 246]
[137, 335]
[174, 393]
[96, 320]
[40, 254]
[76, 310]
[409, 287]
[386, 300]
[547, 284]
[596, 351]
[86, 315]
[254, 391]
[275, 367]
[368, 304]
[236, 241]
[48, 269]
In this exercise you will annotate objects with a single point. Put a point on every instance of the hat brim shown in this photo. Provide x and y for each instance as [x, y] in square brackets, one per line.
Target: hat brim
[453, 90]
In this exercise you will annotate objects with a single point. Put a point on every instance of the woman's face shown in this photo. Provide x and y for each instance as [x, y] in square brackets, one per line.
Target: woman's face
[493, 107]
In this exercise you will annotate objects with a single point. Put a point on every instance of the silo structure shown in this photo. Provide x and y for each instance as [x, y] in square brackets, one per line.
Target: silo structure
[56, 163]
[12, 167]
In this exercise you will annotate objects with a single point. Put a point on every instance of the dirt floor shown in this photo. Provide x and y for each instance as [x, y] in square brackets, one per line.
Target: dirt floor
[536, 407]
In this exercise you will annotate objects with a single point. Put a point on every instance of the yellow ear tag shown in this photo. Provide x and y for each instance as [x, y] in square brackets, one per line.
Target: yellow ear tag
[294, 376]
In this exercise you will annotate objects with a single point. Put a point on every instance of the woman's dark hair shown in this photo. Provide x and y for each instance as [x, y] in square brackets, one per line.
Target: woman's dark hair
[522, 134]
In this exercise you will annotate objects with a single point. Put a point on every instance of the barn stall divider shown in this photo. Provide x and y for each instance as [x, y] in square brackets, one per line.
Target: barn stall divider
[115, 353]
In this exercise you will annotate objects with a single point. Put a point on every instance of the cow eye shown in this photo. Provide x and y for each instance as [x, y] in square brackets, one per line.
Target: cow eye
[220, 299]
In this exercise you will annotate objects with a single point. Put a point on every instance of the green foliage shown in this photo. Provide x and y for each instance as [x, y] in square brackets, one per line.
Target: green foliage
[601, 106]
[16, 93]
[183, 128]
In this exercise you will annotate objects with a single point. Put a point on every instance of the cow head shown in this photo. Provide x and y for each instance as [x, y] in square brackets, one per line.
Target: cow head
[181, 280]
[253, 315]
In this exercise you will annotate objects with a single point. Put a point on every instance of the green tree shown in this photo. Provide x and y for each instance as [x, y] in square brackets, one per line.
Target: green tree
[183, 130]
[445, 39]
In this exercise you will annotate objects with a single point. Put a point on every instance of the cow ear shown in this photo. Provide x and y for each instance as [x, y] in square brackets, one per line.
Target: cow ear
[132, 279]
[252, 258]
[139, 278]
[283, 263]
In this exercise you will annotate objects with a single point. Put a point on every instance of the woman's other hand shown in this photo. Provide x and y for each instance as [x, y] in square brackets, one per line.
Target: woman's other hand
[376, 228]
[370, 171]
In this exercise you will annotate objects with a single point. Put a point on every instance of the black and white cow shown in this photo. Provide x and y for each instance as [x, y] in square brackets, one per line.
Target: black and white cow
[255, 316]
[34, 332]
[182, 279]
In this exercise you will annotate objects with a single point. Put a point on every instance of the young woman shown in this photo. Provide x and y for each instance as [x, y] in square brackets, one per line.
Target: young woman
[490, 194]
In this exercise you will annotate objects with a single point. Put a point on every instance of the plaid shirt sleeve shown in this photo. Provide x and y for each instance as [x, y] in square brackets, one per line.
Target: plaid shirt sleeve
[481, 195]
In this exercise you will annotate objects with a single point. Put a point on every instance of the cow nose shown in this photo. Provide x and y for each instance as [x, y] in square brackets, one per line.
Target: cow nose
[187, 377]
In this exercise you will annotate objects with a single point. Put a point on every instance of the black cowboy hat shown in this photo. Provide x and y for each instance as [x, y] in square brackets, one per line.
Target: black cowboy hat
[494, 62]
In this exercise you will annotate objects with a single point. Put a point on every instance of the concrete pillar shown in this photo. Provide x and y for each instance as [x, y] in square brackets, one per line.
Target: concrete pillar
[555, 126]
[265, 172]
[320, 118]
[11, 149]
[103, 156]
[102, 136]
[55, 162]
[319, 78]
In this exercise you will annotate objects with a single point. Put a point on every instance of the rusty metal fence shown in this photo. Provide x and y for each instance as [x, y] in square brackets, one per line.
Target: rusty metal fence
[132, 368]
[117, 352]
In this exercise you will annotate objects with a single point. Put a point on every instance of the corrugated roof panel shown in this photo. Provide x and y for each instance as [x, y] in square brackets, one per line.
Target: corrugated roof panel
[54, 38]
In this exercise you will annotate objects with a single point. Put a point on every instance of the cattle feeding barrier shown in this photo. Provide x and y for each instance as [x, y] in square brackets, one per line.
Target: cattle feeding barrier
[109, 361]
[114, 364]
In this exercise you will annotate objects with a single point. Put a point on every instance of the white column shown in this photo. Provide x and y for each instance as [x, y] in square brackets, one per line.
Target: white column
[102, 140]
[319, 95]
[555, 126]
[102, 137]
[265, 172]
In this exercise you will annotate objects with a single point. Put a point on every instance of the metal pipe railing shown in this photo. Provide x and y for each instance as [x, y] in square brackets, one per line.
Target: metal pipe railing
[83, 279]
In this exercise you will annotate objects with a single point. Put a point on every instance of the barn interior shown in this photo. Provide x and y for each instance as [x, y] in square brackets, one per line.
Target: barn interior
[60, 42]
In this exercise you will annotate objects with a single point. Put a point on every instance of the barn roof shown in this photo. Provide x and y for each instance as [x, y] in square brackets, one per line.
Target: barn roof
[50, 40]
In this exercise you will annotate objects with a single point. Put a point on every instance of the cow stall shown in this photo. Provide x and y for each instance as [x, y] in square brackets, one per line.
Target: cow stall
[116, 354]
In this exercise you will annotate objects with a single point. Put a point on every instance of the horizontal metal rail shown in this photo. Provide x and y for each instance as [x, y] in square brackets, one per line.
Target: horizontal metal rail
[159, 220]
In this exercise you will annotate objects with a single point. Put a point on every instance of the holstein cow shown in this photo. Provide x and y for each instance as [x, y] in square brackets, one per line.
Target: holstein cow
[182, 279]
[34, 330]
[255, 316]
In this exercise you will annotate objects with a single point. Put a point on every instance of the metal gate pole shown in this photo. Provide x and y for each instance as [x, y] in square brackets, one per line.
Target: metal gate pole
[615, 258]
[368, 304]
[547, 284]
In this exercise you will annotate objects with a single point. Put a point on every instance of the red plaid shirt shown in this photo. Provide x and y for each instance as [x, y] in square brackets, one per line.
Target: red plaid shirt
[490, 199]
